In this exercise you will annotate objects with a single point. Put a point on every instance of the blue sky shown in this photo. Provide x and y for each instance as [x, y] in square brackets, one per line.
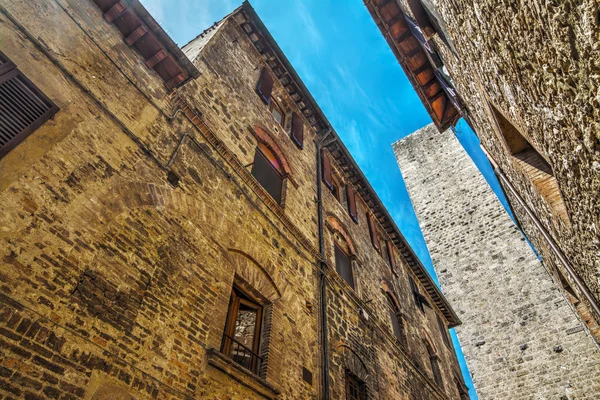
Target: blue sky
[347, 65]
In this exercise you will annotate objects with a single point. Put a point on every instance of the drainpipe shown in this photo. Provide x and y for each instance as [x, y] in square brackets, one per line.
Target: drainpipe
[555, 249]
[323, 277]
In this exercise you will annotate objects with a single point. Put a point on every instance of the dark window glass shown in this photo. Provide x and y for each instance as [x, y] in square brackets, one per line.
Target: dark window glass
[354, 388]
[343, 265]
[242, 331]
[23, 108]
[266, 174]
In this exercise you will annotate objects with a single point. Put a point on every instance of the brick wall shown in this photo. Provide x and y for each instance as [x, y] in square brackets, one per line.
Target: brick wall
[521, 338]
[118, 265]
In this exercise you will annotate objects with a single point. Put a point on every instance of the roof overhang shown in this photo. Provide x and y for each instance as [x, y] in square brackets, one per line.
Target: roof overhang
[141, 32]
[412, 56]
[264, 43]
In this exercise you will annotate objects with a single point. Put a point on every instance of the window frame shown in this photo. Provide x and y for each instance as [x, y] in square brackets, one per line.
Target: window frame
[260, 152]
[339, 248]
[9, 71]
[275, 105]
[240, 297]
[350, 381]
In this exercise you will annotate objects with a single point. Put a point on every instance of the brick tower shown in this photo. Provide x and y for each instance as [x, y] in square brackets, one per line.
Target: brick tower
[520, 336]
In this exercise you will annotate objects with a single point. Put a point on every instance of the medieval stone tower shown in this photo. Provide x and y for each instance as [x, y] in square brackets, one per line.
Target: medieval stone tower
[521, 340]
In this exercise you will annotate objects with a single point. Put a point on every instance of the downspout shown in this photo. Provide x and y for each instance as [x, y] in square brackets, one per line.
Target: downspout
[556, 250]
[323, 277]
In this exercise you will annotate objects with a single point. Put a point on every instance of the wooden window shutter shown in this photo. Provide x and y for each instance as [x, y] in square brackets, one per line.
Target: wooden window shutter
[373, 232]
[352, 203]
[298, 130]
[265, 86]
[327, 172]
[23, 107]
[391, 256]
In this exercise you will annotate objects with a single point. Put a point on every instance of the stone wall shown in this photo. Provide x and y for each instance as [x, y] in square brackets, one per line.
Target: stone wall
[521, 338]
[117, 265]
[531, 65]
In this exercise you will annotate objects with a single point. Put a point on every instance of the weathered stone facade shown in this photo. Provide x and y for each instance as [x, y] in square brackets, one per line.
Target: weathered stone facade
[522, 340]
[525, 78]
[128, 218]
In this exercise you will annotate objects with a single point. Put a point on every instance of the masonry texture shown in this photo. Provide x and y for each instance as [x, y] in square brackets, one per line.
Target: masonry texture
[523, 339]
[133, 222]
[523, 75]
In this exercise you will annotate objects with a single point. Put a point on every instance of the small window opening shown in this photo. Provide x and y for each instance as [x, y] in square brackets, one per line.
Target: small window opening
[435, 365]
[397, 321]
[267, 171]
[533, 164]
[355, 388]
[277, 112]
[241, 339]
[343, 265]
[443, 331]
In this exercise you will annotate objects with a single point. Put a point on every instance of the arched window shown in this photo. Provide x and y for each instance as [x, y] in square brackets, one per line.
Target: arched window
[268, 171]
[435, 364]
[397, 320]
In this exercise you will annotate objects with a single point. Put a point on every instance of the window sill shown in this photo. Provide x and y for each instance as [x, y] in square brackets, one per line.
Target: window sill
[240, 374]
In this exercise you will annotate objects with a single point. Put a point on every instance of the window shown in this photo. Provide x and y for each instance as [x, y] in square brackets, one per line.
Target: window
[266, 170]
[373, 232]
[355, 389]
[23, 107]
[277, 112]
[343, 266]
[336, 191]
[397, 321]
[297, 130]
[420, 300]
[351, 197]
[391, 256]
[443, 331]
[264, 88]
[242, 331]
[435, 366]
[430, 20]
[532, 164]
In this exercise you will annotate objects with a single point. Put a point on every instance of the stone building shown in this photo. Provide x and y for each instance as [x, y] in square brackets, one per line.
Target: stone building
[184, 223]
[523, 75]
[522, 339]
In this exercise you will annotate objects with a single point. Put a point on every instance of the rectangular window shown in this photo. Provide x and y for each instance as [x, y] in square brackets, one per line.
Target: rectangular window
[354, 388]
[373, 231]
[420, 300]
[391, 256]
[351, 196]
[268, 177]
[242, 331]
[264, 88]
[343, 266]
[297, 130]
[443, 331]
[532, 163]
[23, 107]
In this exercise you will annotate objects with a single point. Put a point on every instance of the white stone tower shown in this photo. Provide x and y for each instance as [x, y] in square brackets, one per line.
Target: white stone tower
[520, 337]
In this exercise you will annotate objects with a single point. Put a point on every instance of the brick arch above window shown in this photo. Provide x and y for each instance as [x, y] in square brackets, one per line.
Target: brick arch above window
[353, 362]
[431, 349]
[336, 226]
[255, 274]
[265, 138]
[388, 289]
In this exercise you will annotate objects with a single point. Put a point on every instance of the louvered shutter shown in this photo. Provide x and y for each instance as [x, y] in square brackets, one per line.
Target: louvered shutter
[23, 108]
[373, 232]
[265, 86]
[352, 203]
[298, 130]
[327, 173]
[391, 256]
